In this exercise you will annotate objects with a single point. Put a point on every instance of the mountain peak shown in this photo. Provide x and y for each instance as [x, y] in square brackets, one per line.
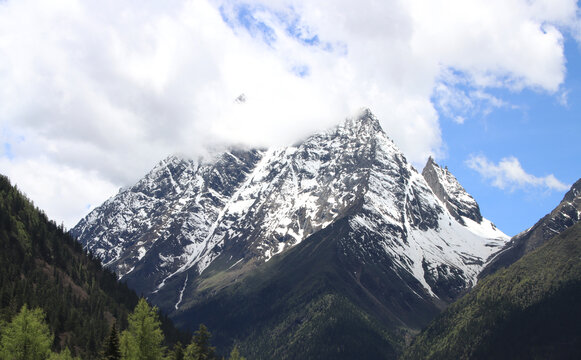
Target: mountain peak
[363, 123]
[450, 192]
[244, 208]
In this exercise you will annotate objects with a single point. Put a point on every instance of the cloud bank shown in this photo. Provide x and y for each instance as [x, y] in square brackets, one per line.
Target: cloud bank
[105, 88]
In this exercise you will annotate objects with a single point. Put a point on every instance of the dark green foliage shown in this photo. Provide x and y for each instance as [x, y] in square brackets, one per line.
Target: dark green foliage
[235, 354]
[27, 337]
[112, 349]
[200, 347]
[44, 267]
[177, 352]
[527, 311]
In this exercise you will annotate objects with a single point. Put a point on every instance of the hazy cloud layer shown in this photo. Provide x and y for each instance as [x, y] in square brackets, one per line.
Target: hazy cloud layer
[105, 89]
[508, 174]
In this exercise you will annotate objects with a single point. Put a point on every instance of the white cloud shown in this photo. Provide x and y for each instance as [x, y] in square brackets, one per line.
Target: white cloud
[64, 193]
[459, 104]
[509, 174]
[108, 88]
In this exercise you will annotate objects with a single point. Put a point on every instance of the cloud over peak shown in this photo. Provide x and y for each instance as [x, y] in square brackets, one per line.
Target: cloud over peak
[108, 88]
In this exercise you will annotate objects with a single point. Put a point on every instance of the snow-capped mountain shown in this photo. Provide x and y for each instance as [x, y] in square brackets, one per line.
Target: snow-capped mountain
[564, 216]
[243, 207]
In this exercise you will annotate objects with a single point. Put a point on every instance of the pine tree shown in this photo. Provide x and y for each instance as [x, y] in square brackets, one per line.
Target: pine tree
[26, 337]
[112, 348]
[177, 352]
[235, 354]
[200, 348]
[193, 352]
[125, 345]
[143, 338]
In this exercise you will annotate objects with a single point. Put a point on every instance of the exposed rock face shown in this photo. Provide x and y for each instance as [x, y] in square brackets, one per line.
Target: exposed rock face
[169, 211]
[565, 215]
[187, 218]
[447, 188]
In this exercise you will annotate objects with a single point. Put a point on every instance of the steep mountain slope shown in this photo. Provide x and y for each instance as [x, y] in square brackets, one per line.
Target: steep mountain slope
[42, 266]
[346, 198]
[447, 188]
[166, 217]
[314, 300]
[565, 215]
[529, 310]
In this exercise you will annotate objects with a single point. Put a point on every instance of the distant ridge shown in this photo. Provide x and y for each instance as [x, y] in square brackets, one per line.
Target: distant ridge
[565, 215]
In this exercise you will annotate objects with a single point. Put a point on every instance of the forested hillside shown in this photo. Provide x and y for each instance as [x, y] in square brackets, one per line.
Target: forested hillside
[527, 311]
[43, 267]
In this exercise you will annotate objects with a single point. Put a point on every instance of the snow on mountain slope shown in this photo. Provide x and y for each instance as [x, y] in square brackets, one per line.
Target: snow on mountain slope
[251, 205]
[166, 217]
[447, 188]
[415, 227]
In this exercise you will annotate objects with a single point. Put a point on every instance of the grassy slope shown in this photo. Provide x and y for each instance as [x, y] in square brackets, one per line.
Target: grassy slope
[527, 311]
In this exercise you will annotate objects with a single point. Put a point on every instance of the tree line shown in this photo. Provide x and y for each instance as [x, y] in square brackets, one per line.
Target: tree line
[28, 337]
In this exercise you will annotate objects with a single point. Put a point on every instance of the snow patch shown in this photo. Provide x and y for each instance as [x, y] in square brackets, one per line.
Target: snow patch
[181, 296]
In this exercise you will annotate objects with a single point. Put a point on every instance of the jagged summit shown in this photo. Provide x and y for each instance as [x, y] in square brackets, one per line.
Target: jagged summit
[188, 219]
[447, 188]
[364, 122]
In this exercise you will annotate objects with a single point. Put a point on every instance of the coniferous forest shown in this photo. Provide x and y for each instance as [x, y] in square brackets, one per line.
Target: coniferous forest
[43, 267]
[57, 301]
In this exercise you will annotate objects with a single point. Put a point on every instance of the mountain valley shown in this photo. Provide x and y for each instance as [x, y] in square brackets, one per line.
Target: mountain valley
[335, 247]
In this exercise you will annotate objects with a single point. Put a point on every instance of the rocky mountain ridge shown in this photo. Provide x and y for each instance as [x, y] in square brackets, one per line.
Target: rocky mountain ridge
[244, 207]
[447, 188]
[564, 216]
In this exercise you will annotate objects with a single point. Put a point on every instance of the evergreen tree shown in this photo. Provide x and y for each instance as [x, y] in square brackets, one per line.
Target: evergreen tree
[177, 352]
[200, 348]
[112, 348]
[63, 355]
[235, 354]
[193, 352]
[26, 337]
[124, 345]
[143, 338]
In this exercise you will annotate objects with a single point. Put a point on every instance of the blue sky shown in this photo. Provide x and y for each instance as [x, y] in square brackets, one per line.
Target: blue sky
[537, 129]
[93, 94]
